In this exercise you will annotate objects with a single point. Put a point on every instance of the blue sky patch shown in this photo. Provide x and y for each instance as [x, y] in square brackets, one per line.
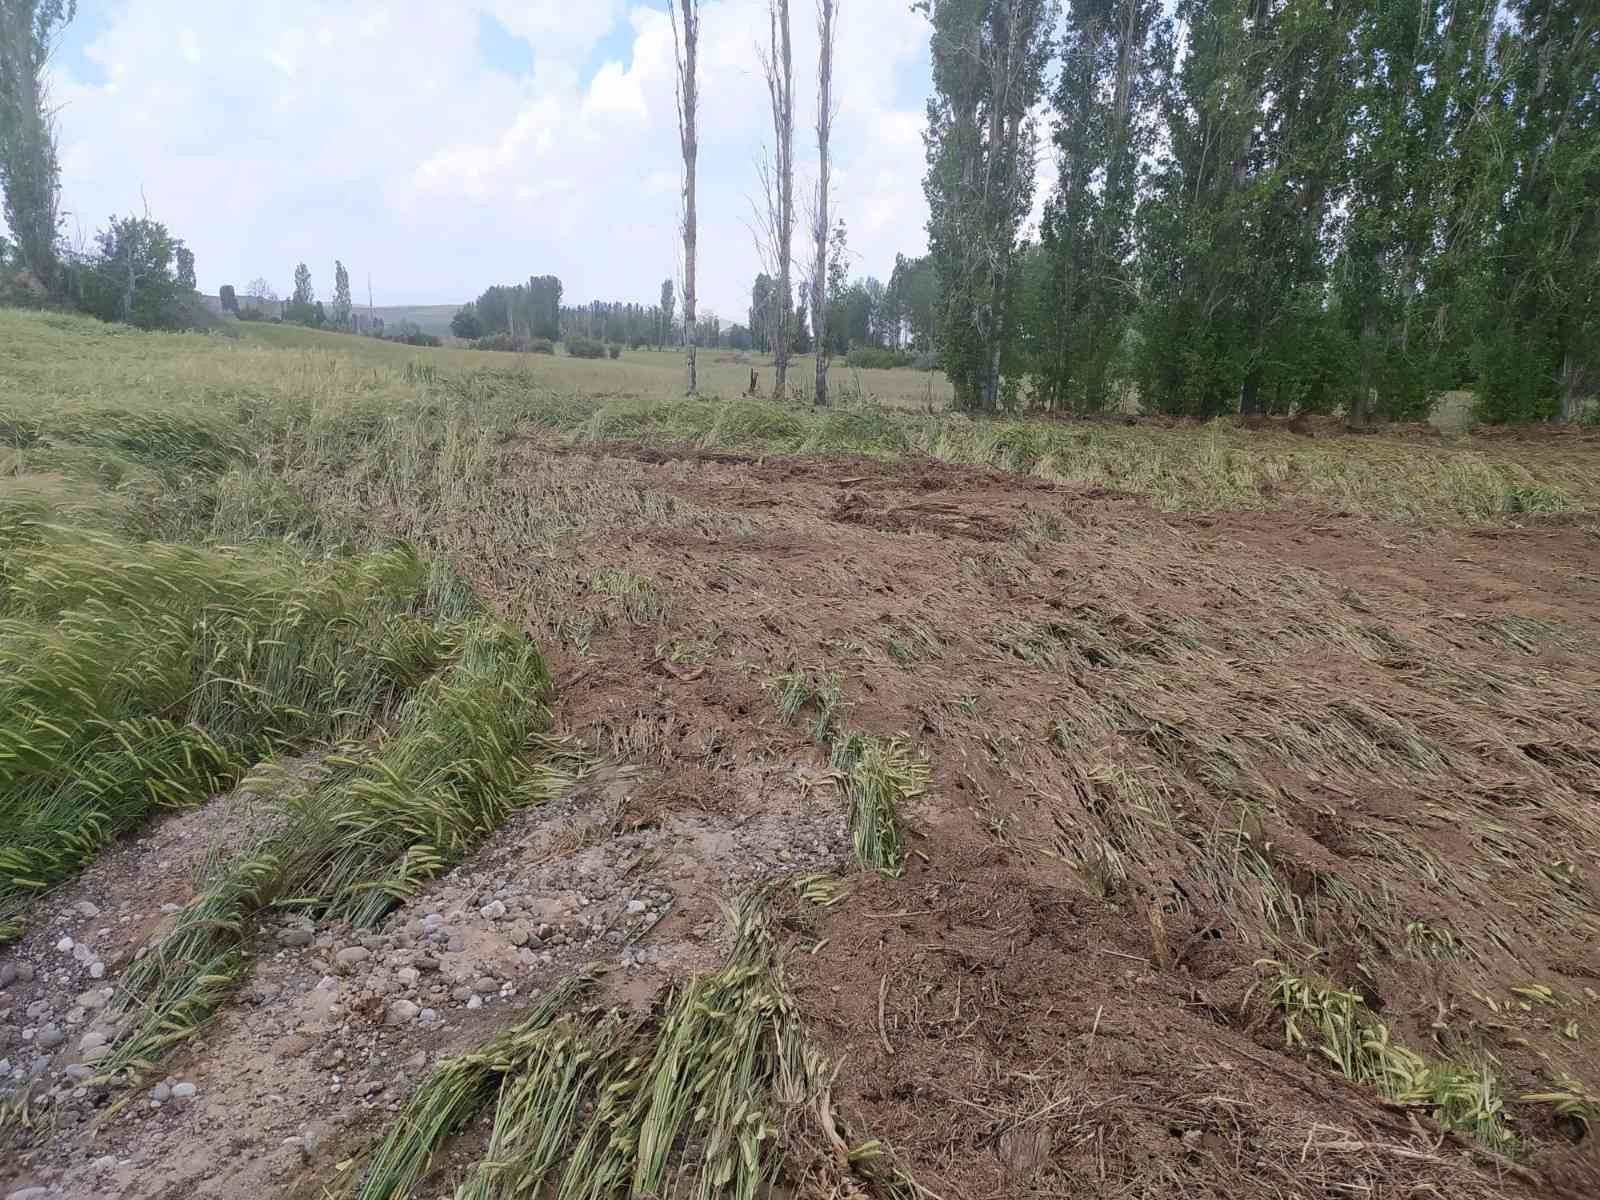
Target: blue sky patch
[502, 50]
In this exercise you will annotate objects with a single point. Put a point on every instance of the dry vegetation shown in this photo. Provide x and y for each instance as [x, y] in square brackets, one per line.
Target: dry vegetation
[1230, 794]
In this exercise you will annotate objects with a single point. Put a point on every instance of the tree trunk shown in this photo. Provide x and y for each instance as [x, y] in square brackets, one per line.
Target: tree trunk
[1571, 387]
[819, 267]
[1361, 409]
[127, 294]
[1250, 398]
[687, 135]
[781, 85]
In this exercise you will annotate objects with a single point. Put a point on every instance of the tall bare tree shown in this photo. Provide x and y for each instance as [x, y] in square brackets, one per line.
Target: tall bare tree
[778, 183]
[685, 47]
[30, 174]
[827, 11]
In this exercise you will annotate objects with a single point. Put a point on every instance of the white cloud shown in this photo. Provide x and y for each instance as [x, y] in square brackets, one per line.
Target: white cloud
[563, 26]
[378, 135]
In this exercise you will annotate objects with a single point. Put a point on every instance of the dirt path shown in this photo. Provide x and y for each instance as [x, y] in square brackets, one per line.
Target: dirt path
[1162, 747]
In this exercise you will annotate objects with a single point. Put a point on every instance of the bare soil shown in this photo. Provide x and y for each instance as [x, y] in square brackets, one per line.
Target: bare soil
[1164, 748]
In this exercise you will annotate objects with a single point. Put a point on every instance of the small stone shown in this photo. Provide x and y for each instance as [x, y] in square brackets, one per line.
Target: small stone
[94, 998]
[161, 1093]
[106, 1162]
[28, 1193]
[8, 975]
[426, 962]
[417, 1061]
[92, 1040]
[82, 954]
[78, 1073]
[461, 994]
[493, 910]
[400, 1011]
[85, 909]
[184, 1091]
[368, 1088]
[1191, 1138]
[65, 945]
[520, 934]
[408, 976]
[428, 1016]
[486, 985]
[294, 936]
[169, 909]
[635, 907]
[475, 1002]
[49, 1037]
[97, 970]
[24, 972]
[352, 956]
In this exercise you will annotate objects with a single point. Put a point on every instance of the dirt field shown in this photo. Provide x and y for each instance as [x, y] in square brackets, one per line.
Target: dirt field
[1200, 785]
[1369, 747]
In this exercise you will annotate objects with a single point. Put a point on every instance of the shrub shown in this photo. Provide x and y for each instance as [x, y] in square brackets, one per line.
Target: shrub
[465, 323]
[582, 347]
[412, 335]
[871, 357]
[517, 345]
[616, 351]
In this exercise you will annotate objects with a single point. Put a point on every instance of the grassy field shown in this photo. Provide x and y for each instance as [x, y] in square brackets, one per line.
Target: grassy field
[1183, 776]
[724, 374]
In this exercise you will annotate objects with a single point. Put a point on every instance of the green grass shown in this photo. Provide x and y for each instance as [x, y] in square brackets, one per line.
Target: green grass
[322, 402]
[143, 676]
[470, 746]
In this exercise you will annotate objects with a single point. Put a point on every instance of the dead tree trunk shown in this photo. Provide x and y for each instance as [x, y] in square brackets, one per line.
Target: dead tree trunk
[685, 49]
[826, 11]
[777, 65]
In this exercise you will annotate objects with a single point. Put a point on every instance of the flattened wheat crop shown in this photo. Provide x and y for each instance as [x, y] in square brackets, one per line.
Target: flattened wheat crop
[140, 676]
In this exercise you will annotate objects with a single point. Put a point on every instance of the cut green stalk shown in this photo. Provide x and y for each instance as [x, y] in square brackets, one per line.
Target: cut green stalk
[1352, 1038]
[456, 1090]
[877, 775]
[600, 1106]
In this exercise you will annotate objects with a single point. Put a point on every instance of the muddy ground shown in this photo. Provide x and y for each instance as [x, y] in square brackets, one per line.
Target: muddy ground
[1164, 748]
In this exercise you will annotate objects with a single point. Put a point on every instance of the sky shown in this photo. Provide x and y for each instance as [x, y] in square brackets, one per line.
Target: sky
[442, 148]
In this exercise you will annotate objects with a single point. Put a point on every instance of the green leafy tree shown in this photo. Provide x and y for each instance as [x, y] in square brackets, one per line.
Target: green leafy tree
[342, 307]
[184, 258]
[543, 307]
[465, 323]
[30, 172]
[1536, 342]
[668, 303]
[133, 275]
[1115, 57]
[763, 297]
[914, 298]
[1236, 229]
[989, 61]
[302, 298]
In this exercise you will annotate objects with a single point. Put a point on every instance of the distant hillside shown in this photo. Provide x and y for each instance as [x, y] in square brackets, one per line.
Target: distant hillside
[430, 318]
